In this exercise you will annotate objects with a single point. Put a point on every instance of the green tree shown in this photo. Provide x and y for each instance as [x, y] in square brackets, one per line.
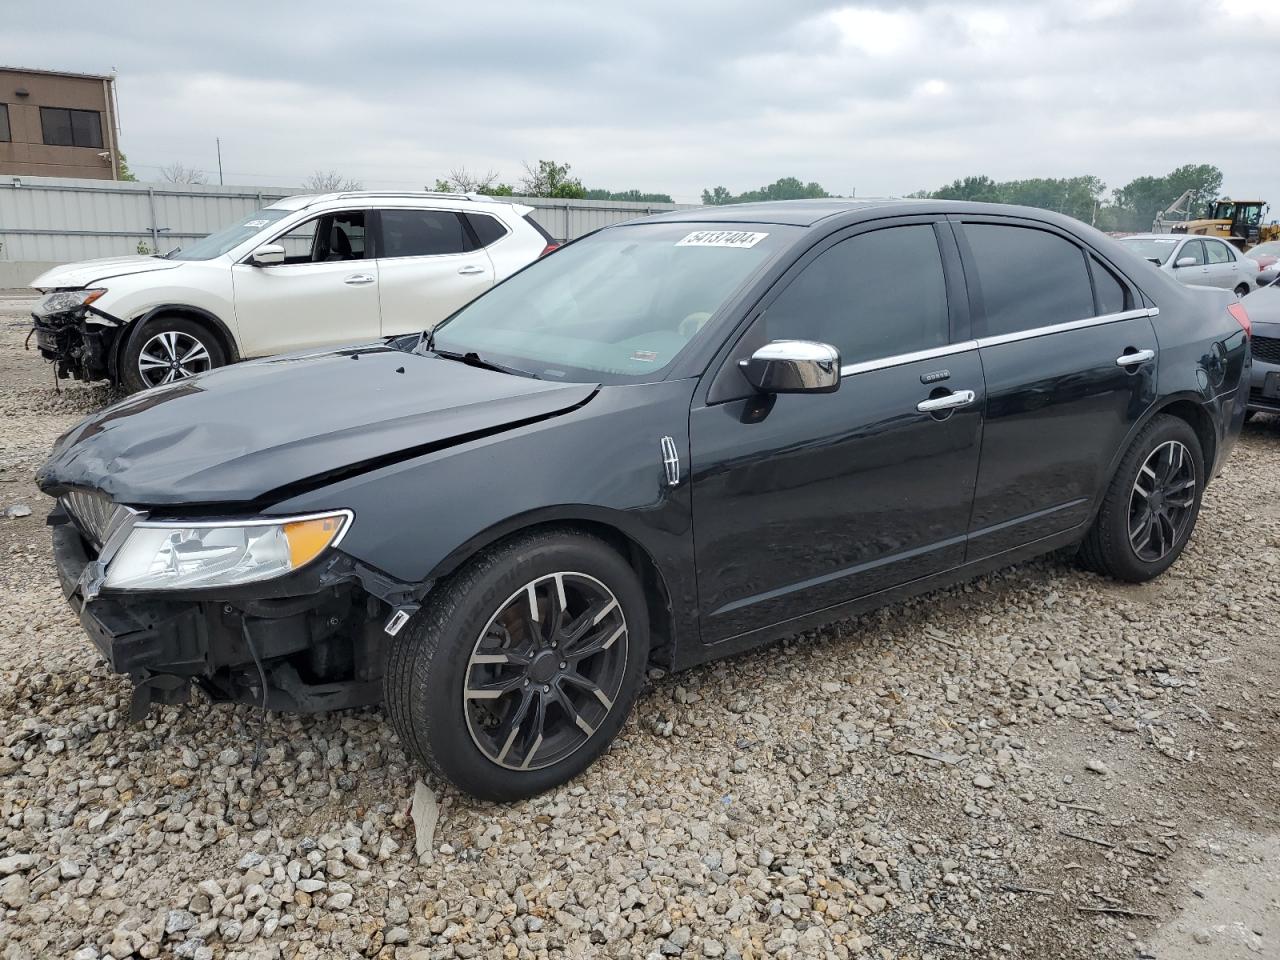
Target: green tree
[1079, 197]
[550, 179]
[633, 196]
[463, 181]
[125, 172]
[1139, 200]
[784, 188]
[981, 189]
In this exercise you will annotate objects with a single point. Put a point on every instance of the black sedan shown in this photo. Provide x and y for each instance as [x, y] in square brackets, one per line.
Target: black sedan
[669, 441]
[1263, 306]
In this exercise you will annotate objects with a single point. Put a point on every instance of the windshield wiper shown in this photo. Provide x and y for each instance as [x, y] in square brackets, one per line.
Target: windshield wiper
[473, 359]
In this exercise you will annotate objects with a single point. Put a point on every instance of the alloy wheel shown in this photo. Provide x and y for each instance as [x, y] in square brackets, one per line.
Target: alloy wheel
[545, 671]
[172, 355]
[1161, 503]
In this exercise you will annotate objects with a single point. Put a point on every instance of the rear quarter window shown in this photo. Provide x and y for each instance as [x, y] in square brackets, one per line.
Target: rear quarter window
[487, 229]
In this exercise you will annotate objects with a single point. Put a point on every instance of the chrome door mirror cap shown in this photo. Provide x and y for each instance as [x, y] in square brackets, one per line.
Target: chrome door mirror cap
[793, 366]
[267, 254]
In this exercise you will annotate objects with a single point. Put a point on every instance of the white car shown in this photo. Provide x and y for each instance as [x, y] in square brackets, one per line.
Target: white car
[307, 271]
[1195, 260]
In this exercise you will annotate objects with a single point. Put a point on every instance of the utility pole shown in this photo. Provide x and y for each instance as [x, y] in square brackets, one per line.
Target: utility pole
[218, 141]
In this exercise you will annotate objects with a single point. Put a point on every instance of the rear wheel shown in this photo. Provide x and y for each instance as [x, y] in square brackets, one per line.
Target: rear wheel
[1151, 506]
[168, 348]
[1242, 290]
[523, 666]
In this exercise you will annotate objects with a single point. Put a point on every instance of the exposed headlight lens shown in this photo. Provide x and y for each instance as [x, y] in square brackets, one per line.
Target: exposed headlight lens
[173, 556]
[61, 301]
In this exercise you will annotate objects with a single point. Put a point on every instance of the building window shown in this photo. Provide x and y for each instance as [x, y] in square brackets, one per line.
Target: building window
[71, 128]
[4, 122]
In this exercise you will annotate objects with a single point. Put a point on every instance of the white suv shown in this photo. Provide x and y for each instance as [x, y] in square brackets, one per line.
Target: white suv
[307, 271]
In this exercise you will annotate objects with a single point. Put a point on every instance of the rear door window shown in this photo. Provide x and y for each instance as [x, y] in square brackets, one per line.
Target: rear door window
[1028, 278]
[422, 233]
[853, 297]
[1218, 252]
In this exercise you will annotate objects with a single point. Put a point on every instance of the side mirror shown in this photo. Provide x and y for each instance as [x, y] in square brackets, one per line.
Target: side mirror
[793, 366]
[267, 254]
[1185, 262]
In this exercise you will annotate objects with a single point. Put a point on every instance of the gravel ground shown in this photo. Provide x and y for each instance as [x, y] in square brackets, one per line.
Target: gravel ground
[1040, 763]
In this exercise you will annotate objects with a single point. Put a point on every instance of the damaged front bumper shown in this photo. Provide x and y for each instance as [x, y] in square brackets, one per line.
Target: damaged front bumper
[81, 341]
[307, 642]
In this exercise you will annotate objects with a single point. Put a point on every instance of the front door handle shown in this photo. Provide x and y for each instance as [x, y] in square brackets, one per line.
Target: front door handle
[358, 278]
[1135, 358]
[470, 270]
[959, 398]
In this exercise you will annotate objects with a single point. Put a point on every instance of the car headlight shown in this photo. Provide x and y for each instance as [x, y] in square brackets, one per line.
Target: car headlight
[164, 555]
[60, 301]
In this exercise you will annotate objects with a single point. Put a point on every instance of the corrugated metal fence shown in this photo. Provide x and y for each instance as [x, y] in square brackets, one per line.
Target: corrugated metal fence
[47, 220]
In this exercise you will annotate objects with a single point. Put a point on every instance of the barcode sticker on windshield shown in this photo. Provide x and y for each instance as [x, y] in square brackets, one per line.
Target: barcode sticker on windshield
[721, 238]
[256, 223]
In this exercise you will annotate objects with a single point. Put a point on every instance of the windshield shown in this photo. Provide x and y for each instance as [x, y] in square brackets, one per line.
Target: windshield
[1152, 248]
[216, 244]
[1269, 249]
[618, 306]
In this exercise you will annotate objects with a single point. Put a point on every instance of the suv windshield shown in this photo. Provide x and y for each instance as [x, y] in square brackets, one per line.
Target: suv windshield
[216, 244]
[1152, 248]
[616, 307]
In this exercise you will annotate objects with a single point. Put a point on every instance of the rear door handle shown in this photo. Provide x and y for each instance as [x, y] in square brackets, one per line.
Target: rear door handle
[470, 270]
[959, 398]
[1135, 358]
[358, 278]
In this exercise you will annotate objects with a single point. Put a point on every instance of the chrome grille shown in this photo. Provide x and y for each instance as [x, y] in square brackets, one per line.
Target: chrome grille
[92, 513]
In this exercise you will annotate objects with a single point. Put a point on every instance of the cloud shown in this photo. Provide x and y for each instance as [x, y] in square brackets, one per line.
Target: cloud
[885, 97]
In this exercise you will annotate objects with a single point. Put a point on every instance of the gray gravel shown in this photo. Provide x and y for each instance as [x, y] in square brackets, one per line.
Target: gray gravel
[1039, 763]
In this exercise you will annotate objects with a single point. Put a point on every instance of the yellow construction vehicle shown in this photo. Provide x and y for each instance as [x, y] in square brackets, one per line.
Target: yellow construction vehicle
[1237, 221]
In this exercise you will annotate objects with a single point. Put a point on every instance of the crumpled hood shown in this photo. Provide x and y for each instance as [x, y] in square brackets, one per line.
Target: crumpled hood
[249, 430]
[86, 272]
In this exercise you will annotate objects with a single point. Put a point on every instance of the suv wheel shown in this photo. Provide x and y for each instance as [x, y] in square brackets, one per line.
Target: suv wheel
[522, 667]
[1151, 506]
[168, 348]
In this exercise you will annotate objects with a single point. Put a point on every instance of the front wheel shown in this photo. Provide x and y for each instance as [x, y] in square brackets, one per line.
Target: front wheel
[522, 667]
[165, 349]
[1150, 508]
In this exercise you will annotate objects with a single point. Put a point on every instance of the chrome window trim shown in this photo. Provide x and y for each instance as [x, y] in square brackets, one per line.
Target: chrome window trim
[1071, 325]
[850, 369]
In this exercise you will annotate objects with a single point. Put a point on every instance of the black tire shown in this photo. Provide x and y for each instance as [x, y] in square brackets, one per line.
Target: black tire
[1249, 415]
[1112, 547]
[152, 341]
[1242, 290]
[431, 667]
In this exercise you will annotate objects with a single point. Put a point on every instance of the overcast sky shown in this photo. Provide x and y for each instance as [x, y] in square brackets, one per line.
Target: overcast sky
[677, 95]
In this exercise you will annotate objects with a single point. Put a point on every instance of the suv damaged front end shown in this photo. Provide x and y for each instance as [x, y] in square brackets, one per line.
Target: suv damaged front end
[262, 610]
[74, 334]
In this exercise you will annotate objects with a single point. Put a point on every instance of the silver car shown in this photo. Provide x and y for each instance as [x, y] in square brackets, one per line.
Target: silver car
[1198, 261]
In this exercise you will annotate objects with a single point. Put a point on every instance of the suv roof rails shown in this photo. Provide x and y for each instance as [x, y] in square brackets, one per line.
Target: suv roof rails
[412, 194]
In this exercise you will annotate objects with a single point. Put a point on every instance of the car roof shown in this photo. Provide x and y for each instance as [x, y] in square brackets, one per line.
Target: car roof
[845, 211]
[393, 198]
[1161, 236]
